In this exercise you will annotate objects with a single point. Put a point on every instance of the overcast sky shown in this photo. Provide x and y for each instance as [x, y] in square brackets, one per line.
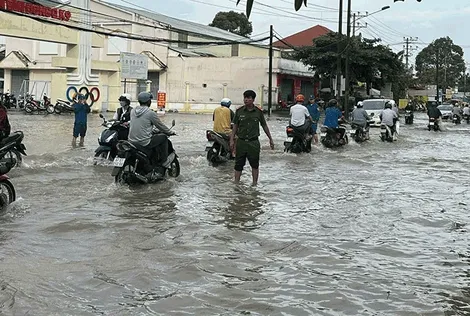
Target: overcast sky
[427, 20]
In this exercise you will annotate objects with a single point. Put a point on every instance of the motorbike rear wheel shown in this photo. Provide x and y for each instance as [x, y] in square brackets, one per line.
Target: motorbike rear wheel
[122, 177]
[16, 155]
[174, 170]
[28, 108]
[57, 109]
[7, 197]
[50, 109]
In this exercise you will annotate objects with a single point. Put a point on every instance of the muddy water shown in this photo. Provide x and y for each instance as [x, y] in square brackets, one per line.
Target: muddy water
[370, 229]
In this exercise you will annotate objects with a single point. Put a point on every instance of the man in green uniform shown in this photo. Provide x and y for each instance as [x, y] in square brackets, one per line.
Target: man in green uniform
[246, 126]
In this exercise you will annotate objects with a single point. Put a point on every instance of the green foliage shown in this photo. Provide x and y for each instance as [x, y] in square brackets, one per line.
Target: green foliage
[370, 61]
[448, 56]
[233, 22]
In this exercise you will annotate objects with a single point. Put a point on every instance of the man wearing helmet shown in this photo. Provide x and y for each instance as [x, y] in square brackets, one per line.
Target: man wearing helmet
[360, 117]
[298, 115]
[332, 115]
[123, 114]
[141, 132]
[389, 116]
[223, 117]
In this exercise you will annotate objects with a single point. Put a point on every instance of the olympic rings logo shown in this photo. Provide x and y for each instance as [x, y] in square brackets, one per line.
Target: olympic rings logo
[93, 94]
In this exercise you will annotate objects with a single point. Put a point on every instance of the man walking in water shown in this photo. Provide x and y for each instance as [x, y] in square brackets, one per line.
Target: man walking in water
[246, 124]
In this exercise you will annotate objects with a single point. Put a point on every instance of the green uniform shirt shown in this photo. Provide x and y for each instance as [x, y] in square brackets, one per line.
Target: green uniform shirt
[248, 122]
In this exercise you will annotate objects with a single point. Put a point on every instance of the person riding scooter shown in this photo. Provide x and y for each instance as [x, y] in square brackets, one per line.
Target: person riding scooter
[332, 115]
[361, 118]
[389, 117]
[141, 133]
[300, 117]
[223, 117]
[123, 114]
[457, 111]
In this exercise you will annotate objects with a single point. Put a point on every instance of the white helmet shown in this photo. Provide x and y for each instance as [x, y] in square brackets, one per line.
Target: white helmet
[392, 103]
[226, 102]
[360, 104]
[125, 97]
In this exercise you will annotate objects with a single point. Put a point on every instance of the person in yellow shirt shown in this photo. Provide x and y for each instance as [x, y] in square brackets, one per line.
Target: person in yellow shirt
[223, 117]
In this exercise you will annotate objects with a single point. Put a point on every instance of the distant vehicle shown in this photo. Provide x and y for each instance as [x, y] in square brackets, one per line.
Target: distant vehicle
[373, 108]
[446, 110]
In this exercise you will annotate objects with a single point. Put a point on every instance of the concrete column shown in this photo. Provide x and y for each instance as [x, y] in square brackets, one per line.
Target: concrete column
[261, 96]
[225, 94]
[7, 82]
[187, 105]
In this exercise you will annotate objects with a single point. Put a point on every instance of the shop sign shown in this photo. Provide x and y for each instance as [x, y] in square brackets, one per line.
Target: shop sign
[35, 9]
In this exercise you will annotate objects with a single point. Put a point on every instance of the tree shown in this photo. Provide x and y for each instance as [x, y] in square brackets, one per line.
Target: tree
[370, 62]
[297, 5]
[449, 58]
[233, 22]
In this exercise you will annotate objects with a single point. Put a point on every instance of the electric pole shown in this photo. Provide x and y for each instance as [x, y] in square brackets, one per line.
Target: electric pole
[338, 61]
[357, 25]
[346, 75]
[408, 49]
[437, 76]
[270, 71]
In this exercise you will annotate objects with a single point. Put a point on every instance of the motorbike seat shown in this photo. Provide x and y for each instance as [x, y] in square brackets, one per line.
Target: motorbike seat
[14, 137]
[143, 149]
[62, 100]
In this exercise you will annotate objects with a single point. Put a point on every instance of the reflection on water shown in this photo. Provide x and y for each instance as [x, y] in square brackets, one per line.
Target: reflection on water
[369, 229]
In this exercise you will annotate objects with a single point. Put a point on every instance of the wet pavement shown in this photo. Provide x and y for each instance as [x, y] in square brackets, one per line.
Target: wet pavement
[369, 229]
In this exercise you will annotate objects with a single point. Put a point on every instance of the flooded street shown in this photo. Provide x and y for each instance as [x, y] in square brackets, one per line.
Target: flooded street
[370, 229]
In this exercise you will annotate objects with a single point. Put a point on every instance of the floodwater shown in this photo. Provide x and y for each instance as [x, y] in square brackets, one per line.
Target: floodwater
[370, 229]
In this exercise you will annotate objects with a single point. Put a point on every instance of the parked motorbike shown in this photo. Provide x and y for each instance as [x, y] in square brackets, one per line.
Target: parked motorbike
[63, 106]
[433, 124]
[8, 100]
[17, 150]
[386, 133]
[360, 133]
[332, 137]
[39, 106]
[456, 119]
[109, 138]
[132, 161]
[218, 147]
[7, 192]
[297, 141]
[409, 116]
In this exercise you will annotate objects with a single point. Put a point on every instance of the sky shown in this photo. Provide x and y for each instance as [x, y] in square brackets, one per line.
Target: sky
[426, 20]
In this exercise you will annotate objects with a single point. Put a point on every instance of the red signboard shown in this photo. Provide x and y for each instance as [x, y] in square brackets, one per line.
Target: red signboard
[35, 9]
[161, 99]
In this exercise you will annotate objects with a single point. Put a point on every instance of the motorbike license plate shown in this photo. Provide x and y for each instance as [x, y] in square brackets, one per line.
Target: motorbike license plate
[209, 145]
[352, 132]
[289, 139]
[322, 134]
[431, 123]
[119, 162]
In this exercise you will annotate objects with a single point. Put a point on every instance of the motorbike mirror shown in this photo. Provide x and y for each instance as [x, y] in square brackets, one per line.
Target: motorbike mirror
[173, 123]
[101, 115]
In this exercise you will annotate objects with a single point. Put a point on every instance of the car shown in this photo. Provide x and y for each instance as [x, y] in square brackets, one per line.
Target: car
[446, 110]
[373, 108]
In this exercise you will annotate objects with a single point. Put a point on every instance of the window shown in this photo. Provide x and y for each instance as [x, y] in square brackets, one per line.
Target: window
[184, 38]
[46, 48]
[116, 45]
[235, 48]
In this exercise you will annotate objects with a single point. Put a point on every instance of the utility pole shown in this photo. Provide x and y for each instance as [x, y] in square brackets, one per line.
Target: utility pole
[408, 49]
[346, 75]
[437, 76]
[270, 71]
[338, 62]
[357, 25]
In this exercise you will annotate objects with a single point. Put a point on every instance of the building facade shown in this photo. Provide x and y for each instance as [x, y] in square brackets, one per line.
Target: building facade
[43, 58]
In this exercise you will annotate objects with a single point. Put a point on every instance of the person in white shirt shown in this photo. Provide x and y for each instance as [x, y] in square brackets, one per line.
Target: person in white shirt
[466, 110]
[299, 115]
[389, 116]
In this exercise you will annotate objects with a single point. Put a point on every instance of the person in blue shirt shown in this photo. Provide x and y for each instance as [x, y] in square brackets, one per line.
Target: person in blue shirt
[332, 115]
[314, 114]
[81, 110]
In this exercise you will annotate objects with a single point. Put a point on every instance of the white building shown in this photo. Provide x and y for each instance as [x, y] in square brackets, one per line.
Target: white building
[52, 58]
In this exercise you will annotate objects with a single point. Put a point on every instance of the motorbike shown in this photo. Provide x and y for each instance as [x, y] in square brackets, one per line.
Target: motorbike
[9, 100]
[433, 124]
[297, 141]
[8, 195]
[331, 137]
[466, 117]
[386, 132]
[17, 150]
[360, 133]
[132, 161]
[218, 147]
[63, 106]
[39, 106]
[409, 116]
[456, 119]
[109, 138]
